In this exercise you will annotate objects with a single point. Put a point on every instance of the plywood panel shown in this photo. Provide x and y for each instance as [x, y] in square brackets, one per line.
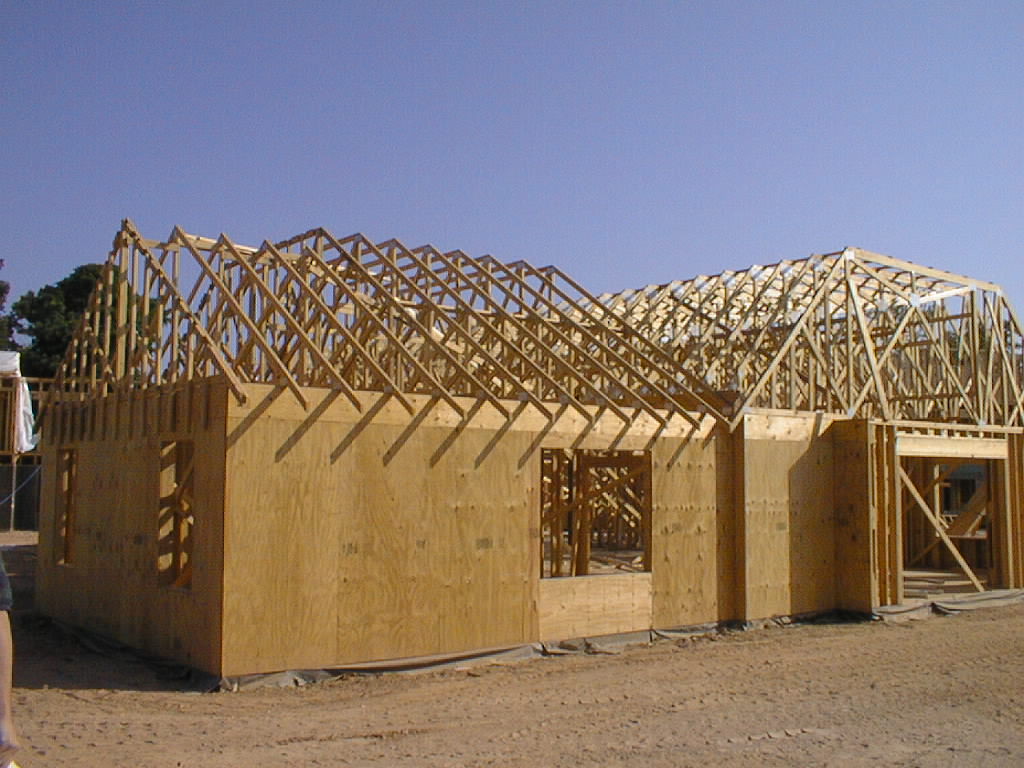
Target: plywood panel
[812, 527]
[789, 532]
[728, 479]
[1015, 487]
[115, 535]
[692, 528]
[278, 524]
[1015, 477]
[1000, 526]
[410, 550]
[586, 606]
[856, 578]
[605, 431]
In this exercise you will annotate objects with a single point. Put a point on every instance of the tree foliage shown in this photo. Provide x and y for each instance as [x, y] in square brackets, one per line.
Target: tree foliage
[49, 318]
[6, 331]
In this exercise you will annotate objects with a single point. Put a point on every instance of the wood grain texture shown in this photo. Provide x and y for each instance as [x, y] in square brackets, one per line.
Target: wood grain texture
[855, 524]
[788, 515]
[588, 606]
[379, 552]
[692, 533]
[330, 535]
[371, 489]
[952, 447]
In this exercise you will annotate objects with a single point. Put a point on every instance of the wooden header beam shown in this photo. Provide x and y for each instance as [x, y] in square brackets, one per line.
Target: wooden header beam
[951, 447]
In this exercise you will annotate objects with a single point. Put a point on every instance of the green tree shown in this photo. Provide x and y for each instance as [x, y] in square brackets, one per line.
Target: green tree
[49, 318]
[6, 326]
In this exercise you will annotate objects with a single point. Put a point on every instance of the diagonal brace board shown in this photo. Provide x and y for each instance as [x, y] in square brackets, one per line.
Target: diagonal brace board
[940, 529]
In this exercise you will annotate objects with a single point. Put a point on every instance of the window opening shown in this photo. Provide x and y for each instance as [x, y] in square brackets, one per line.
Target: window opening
[176, 521]
[595, 512]
[67, 479]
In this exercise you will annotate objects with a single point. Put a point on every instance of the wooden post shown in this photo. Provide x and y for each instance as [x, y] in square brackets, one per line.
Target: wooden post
[14, 484]
[584, 511]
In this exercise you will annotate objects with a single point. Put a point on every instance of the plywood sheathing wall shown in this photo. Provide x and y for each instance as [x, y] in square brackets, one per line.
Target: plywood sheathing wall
[436, 545]
[788, 538]
[856, 563]
[337, 551]
[692, 551]
[111, 585]
[356, 537]
[590, 606]
[1015, 512]
[694, 567]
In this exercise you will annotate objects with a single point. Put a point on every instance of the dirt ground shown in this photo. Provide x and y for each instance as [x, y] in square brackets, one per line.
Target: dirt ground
[938, 692]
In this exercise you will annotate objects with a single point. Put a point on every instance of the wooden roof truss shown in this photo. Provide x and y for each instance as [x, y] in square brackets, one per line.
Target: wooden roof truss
[850, 332]
[358, 316]
[847, 332]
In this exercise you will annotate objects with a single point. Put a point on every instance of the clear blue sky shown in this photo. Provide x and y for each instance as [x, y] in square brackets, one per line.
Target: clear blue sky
[628, 143]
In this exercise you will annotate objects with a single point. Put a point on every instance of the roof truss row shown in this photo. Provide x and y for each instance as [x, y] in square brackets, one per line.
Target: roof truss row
[850, 332]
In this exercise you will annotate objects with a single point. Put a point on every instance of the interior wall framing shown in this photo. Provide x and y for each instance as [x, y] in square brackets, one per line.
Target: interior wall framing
[880, 519]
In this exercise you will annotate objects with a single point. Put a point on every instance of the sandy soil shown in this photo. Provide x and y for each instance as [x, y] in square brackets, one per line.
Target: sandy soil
[939, 692]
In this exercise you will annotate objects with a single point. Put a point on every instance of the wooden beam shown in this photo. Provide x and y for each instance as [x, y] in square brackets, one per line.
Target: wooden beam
[256, 333]
[951, 447]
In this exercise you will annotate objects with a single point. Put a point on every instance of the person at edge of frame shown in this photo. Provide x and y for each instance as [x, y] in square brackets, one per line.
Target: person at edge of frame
[8, 735]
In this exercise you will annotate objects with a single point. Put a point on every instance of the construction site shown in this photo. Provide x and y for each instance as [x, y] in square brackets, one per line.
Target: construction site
[327, 452]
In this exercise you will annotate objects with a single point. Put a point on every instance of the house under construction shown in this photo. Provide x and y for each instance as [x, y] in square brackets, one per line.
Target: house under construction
[327, 451]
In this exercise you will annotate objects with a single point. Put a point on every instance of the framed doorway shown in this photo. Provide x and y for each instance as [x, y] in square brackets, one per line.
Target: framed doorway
[946, 504]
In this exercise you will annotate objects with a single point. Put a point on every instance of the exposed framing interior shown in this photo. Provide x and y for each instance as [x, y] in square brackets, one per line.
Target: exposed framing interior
[946, 522]
[177, 513]
[932, 536]
[595, 512]
[67, 484]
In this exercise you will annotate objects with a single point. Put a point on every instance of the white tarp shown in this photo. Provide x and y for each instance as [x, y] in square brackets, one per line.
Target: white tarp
[25, 437]
[10, 364]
